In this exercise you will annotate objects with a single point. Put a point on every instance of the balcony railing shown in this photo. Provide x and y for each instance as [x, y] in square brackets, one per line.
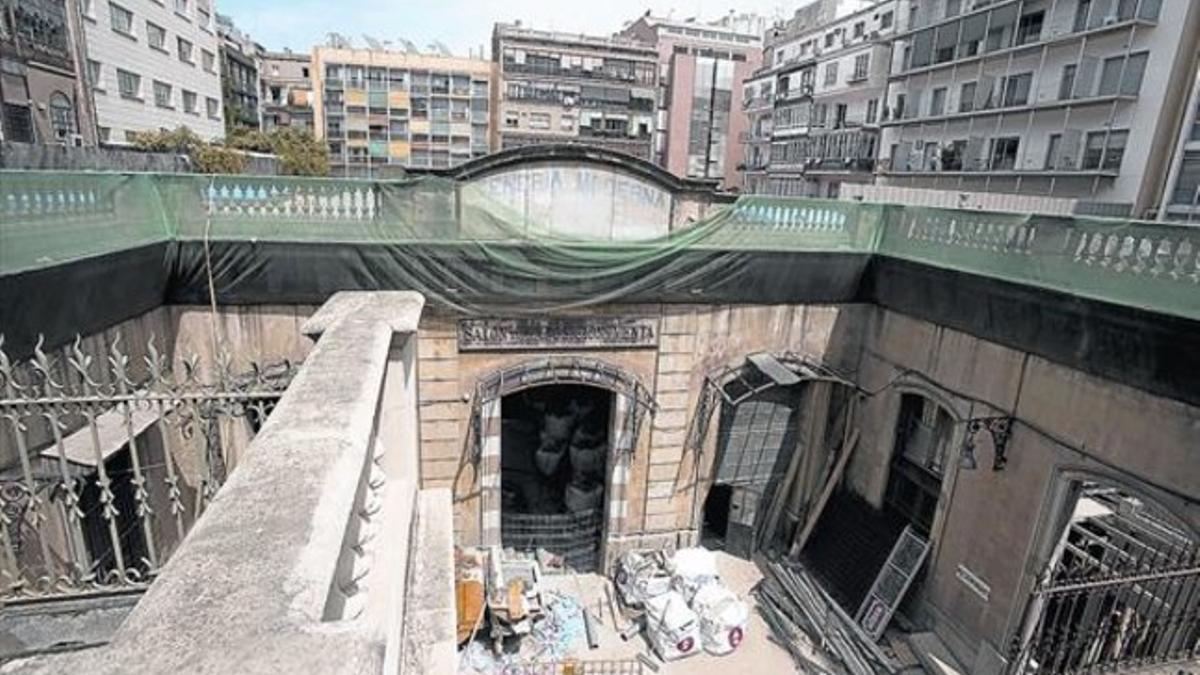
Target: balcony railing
[1147, 265]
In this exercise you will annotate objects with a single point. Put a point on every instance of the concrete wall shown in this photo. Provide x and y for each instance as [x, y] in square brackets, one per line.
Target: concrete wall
[66, 158]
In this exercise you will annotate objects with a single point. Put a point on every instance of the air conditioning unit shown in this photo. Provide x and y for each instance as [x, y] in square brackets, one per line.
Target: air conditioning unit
[874, 35]
[75, 141]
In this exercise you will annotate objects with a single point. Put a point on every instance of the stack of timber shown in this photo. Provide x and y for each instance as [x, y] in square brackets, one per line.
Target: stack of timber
[794, 605]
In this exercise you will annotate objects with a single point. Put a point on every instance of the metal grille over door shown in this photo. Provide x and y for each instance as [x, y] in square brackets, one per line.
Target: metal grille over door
[752, 450]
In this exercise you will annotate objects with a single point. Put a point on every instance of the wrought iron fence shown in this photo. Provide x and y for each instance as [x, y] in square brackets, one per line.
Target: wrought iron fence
[106, 461]
[1124, 593]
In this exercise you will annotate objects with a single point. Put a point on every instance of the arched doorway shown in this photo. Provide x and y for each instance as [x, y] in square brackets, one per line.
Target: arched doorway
[1121, 587]
[554, 452]
[552, 404]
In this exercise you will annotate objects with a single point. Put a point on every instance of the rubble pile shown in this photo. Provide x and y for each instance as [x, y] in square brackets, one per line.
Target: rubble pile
[799, 611]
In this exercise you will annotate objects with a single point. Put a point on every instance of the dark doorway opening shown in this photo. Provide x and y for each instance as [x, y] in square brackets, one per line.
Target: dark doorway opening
[716, 515]
[97, 534]
[554, 449]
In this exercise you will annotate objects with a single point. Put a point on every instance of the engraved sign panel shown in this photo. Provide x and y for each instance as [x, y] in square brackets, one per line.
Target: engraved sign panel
[555, 333]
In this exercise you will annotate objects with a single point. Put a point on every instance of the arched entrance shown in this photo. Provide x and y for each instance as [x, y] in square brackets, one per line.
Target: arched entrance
[1121, 587]
[554, 439]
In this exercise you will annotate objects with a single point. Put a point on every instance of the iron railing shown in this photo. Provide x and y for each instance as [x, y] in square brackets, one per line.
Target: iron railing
[106, 460]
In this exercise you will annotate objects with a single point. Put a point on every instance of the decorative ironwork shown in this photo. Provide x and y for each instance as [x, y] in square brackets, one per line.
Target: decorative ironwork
[107, 460]
[999, 428]
[1124, 591]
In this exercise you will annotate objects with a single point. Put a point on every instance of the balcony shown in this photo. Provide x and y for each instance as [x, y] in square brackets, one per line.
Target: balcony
[990, 110]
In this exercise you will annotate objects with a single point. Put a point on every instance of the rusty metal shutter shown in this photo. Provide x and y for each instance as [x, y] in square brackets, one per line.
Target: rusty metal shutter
[753, 435]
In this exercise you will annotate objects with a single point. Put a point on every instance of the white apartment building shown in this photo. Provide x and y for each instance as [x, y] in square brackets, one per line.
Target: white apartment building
[1073, 99]
[1181, 199]
[814, 112]
[153, 65]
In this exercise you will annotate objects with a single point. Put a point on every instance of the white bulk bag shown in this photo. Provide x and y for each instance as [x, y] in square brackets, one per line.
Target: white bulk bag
[723, 618]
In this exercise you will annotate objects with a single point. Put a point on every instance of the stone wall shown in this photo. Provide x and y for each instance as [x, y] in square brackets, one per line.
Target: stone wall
[693, 341]
[995, 523]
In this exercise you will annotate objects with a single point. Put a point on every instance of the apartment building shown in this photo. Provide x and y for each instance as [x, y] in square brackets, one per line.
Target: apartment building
[815, 109]
[701, 67]
[42, 86]
[1078, 99]
[564, 88]
[1181, 198]
[287, 92]
[380, 108]
[153, 65]
[240, 67]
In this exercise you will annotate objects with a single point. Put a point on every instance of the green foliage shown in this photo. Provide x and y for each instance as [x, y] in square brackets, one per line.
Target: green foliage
[209, 158]
[298, 152]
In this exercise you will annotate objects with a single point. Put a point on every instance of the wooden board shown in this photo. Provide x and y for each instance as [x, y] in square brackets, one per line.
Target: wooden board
[469, 603]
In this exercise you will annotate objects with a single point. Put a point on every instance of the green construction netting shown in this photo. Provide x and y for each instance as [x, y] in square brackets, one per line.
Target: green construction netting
[448, 226]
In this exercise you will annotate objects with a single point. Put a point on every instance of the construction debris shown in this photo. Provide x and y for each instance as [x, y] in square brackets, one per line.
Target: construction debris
[798, 610]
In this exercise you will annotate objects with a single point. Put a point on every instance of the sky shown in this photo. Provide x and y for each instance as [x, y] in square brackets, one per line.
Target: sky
[462, 25]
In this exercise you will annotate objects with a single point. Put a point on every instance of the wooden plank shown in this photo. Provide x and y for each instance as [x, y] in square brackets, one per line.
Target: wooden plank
[772, 368]
[815, 514]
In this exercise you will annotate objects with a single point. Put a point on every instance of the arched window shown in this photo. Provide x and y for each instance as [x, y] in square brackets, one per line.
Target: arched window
[62, 115]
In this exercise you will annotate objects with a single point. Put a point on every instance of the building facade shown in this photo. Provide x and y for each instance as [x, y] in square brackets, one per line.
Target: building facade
[701, 68]
[380, 108]
[42, 82]
[240, 72]
[814, 109]
[153, 66]
[287, 91]
[1074, 99]
[563, 88]
[1181, 199]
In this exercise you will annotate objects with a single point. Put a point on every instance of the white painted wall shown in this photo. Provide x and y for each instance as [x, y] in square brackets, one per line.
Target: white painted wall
[185, 19]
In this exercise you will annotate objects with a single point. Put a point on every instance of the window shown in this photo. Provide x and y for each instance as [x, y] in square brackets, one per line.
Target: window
[156, 36]
[208, 60]
[567, 122]
[129, 84]
[966, 96]
[1066, 86]
[900, 98]
[953, 8]
[1122, 76]
[1004, 153]
[62, 115]
[185, 50]
[829, 38]
[1016, 90]
[181, 6]
[937, 102]
[94, 74]
[213, 107]
[88, 9]
[121, 19]
[511, 120]
[919, 455]
[105, 134]
[1081, 15]
[1104, 150]
[18, 123]
[1187, 186]
[162, 94]
[860, 29]
[872, 110]
[831, 72]
[203, 18]
[1052, 144]
[862, 63]
[189, 102]
[885, 20]
[1029, 28]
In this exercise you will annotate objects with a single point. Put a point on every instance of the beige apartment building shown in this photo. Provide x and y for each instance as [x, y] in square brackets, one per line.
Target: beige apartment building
[378, 109]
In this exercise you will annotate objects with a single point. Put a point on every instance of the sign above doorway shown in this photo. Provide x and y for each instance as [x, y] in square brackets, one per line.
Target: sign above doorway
[581, 332]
